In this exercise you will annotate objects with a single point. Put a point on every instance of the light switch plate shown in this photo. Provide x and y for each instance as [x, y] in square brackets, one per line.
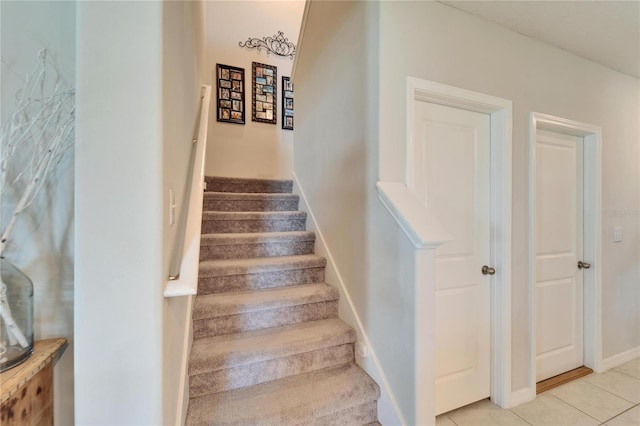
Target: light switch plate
[617, 234]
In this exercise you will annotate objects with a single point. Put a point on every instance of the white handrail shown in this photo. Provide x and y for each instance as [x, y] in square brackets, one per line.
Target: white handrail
[185, 280]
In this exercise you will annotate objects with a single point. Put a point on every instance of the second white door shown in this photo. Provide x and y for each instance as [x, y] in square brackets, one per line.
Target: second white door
[452, 146]
[559, 247]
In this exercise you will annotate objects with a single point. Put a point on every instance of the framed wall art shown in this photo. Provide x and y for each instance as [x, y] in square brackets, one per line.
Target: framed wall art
[265, 93]
[230, 94]
[287, 103]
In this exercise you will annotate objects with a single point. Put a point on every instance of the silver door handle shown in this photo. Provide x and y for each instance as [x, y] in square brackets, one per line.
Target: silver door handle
[488, 271]
[583, 265]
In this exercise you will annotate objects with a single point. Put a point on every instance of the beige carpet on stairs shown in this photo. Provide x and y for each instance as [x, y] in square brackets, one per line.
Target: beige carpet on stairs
[269, 348]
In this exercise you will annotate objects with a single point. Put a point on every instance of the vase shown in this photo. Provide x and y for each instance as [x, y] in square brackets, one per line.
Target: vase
[16, 316]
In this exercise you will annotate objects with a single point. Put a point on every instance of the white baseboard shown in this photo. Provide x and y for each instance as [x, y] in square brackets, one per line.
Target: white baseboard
[619, 359]
[388, 410]
[529, 394]
[521, 396]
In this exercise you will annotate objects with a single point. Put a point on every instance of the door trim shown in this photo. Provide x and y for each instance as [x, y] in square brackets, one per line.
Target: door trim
[592, 220]
[500, 111]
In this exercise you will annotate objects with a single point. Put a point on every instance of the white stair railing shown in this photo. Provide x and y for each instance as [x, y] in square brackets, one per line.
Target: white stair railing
[183, 277]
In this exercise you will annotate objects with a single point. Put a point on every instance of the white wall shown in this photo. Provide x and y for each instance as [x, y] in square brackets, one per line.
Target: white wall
[42, 242]
[119, 204]
[253, 149]
[452, 47]
[335, 162]
[183, 40]
[344, 110]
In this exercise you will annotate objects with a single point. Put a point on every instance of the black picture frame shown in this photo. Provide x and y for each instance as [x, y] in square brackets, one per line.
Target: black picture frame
[230, 94]
[265, 93]
[287, 103]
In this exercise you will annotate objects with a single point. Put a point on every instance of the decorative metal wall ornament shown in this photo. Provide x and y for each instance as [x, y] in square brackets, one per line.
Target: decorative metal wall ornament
[278, 44]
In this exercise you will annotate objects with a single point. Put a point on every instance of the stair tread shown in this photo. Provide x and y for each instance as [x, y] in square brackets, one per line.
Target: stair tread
[241, 196]
[292, 400]
[223, 267]
[231, 350]
[226, 360]
[268, 215]
[244, 180]
[224, 304]
[244, 185]
[255, 237]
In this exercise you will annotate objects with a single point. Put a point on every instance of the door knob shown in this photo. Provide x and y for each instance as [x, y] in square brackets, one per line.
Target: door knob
[488, 271]
[583, 265]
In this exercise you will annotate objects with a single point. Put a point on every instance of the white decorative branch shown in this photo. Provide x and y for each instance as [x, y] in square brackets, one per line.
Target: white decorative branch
[32, 143]
[5, 313]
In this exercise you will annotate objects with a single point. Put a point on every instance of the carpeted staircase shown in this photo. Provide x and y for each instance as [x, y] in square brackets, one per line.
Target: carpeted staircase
[268, 346]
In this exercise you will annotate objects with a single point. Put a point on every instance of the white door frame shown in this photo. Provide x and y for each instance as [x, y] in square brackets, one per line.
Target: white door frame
[592, 324]
[500, 111]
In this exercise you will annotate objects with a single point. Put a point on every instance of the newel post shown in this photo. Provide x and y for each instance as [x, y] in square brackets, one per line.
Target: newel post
[426, 234]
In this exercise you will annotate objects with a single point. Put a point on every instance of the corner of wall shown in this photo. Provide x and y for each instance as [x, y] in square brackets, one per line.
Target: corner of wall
[521, 396]
[388, 409]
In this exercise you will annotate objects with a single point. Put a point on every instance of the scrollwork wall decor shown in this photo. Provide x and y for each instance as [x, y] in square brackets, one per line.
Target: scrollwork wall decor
[278, 44]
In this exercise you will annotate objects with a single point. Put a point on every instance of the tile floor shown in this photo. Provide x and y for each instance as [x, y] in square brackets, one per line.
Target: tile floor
[609, 399]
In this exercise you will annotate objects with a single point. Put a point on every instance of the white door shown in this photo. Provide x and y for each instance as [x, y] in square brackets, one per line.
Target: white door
[558, 232]
[453, 181]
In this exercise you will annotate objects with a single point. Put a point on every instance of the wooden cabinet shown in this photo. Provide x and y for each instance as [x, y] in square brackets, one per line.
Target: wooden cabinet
[26, 391]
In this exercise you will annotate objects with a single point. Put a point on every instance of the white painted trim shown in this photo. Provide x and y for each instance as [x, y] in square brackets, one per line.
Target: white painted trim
[426, 233]
[187, 343]
[388, 410]
[531, 294]
[500, 111]
[418, 224]
[619, 359]
[592, 201]
[180, 287]
[522, 396]
[187, 283]
[430, 91]
[424, 336]
[303, 25]
[501, 207]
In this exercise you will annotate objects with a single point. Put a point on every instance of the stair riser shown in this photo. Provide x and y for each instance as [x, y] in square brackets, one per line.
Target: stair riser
[247, 282]
[250, 205]
[359, 415]
[264, 319]
[260, 372]
[245, 251]
[250, 187]
[265, 225]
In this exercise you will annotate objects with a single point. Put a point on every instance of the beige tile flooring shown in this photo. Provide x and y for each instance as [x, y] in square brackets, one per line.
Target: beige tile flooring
[609, 399]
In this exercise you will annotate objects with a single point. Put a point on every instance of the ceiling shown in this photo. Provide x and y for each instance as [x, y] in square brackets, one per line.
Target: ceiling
[606, 32]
